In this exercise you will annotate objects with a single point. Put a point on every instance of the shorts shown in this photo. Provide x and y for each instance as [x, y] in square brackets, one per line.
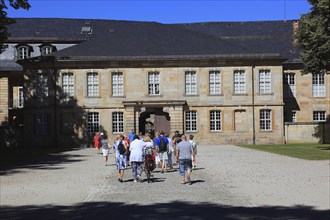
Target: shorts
[105, 152]
[184, 164]
[163, 156]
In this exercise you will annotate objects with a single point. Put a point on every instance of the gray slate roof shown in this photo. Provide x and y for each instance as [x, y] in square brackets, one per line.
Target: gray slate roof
[113, 39]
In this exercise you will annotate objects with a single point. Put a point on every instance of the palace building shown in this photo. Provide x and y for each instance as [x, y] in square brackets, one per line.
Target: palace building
[224, 82]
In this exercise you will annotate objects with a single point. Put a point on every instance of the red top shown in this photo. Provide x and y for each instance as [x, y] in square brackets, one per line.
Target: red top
[96, 141]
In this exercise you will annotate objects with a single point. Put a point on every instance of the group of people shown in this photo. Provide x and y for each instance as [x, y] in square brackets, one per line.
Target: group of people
[133, 149]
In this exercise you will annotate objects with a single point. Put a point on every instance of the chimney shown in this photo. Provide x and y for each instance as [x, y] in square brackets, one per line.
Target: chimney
[295, 25]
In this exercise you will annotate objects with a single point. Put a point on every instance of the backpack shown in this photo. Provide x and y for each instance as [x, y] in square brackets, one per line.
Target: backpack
[162, 145]
[121, 148]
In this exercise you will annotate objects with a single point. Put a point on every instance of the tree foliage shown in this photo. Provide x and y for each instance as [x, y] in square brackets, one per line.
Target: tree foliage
[5, 20]
[313, 37]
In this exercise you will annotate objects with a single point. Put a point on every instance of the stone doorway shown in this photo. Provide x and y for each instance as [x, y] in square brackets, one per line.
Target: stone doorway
[153, 120]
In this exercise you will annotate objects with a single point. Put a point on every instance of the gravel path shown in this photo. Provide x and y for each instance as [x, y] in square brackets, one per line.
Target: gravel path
[229, 183]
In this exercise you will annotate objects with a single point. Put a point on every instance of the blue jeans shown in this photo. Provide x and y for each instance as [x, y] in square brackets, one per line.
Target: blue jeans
[184, 164]
[136, 169]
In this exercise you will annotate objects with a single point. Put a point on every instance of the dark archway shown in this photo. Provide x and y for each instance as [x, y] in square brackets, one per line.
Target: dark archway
[153, 120]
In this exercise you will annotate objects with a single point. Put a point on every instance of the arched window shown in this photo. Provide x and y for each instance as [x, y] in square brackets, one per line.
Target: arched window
[47, 49]
[23, 52]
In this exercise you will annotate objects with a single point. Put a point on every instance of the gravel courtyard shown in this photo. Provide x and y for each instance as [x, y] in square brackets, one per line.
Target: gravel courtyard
[229, 183]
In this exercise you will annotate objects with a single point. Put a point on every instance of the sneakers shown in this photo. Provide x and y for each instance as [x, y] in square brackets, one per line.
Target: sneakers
[135, 181]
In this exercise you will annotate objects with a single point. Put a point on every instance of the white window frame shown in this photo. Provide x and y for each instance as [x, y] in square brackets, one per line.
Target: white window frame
[294, 116]
[215, 120]
[319, 116]
[117, 80]
[153, 83]
[265, 120]
[42, 88]
[191, 121]
[93, 122]
[215, 82]
[318, 85]
[68, 84]
[190, 82]
[92, 84]
[239, 82]
[42, 126]
[47, 49]
[23, 52]
[289, 85]
[117, 122]
[20, 98]
[265, 81]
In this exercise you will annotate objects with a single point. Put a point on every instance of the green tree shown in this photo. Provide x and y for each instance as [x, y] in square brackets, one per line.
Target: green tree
[5, 20]
[313, 37]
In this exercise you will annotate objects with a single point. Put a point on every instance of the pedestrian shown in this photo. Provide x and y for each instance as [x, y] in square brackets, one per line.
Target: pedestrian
[155, 146]
[184, 156]
[131, 135]
[121, 157]
[128, 142]
[100, 141]
[162, 148]
[136, 159]
[96, 142]
[105, 148]
[194, 146]
[169, 152]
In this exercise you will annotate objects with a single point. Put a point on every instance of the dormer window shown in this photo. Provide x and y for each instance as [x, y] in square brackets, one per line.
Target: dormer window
[46, 49]
[23, 52]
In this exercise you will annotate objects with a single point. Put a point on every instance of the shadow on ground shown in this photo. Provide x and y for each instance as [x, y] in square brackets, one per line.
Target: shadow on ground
[36, 159]
[175, 210]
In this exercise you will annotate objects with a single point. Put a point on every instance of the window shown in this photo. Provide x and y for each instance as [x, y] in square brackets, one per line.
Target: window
[117, 84]
[46, 49]
[42, 124]
[68, 84]
[117, 122]
[264, 81]
[289, 85]
[265, 120]
[215, 83]
[20, 97]
[23, 52]
[239, 81]
[153, 83]
[42, 85]
[215, 120]
[318, 85]
[191, 121]
[190, 83]
[92, 84]
[294, 116]
[319, 116]
[93, 122]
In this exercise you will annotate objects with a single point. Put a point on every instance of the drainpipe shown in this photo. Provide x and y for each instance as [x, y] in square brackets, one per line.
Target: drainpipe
[55, 102]
[253, 108]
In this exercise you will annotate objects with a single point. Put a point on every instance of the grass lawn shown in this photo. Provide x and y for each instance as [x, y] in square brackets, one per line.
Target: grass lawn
[299, 150]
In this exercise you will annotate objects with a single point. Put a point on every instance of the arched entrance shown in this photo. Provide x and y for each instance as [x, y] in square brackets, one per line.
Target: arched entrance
[153, 120]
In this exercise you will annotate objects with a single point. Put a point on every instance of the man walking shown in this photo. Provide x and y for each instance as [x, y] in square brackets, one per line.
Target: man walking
[162, 148]
[184, 156]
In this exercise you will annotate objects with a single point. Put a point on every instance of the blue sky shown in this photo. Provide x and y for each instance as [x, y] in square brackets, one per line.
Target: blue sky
[172, 11]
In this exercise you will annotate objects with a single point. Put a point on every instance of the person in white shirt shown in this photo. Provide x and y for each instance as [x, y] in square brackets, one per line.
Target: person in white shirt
[136, 158]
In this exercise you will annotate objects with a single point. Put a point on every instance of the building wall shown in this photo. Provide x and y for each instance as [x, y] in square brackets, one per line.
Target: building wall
[3, 100]
[236, 109]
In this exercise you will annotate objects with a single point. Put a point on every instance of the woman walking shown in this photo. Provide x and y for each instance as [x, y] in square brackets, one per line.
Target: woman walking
[136, 158]
[105, 148]
[121, 147]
